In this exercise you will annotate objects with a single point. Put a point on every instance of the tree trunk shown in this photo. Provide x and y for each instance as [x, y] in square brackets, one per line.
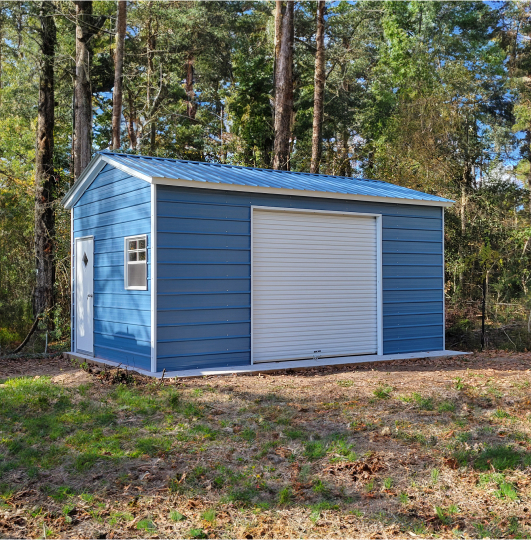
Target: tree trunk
[151, 46]
[462, 209]
[131, 131]
[484, 307]
[284, 91]
[191, 106]
[117, 95]
[319, 86]
[45, 189]
[466, 183]
[279, 13]
[83, 91]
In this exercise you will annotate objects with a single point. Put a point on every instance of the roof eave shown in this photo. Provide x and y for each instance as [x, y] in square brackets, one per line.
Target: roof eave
[295, 192]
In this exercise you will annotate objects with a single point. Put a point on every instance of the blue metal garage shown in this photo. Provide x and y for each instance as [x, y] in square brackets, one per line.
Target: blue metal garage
[194, 267]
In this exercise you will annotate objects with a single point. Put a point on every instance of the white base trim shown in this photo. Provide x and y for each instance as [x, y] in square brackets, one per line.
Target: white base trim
[273, 366]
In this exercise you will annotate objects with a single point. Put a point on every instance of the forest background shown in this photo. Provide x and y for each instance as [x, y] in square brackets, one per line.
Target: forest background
[435, 96]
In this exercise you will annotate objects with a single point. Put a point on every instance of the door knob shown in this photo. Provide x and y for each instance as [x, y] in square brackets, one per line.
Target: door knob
[89, 296]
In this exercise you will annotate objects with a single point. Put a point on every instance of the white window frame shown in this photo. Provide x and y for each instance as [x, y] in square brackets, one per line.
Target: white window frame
[127, 239]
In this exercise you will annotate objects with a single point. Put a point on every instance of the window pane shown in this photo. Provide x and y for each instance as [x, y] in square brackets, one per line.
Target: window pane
[141, 244]
[132, 256]
[132, 244]
[136, 275]
[141, 255]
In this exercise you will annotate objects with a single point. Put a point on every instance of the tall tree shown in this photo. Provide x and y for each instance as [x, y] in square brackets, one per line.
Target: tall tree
[117, 94]
[284, 89]
[191, 105]
[319, 83]
[83, 92]
[86, 28]
[45, 189]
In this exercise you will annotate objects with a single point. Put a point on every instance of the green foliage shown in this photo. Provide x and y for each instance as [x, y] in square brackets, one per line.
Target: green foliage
[383, 391]
[197, 533]
[435, 473]
[285, 495]
[314, 450]
[446, 406]
[146, 525]
[176, 516]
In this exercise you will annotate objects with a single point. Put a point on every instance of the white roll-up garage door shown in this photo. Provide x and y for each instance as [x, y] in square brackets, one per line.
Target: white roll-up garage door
[314, 285]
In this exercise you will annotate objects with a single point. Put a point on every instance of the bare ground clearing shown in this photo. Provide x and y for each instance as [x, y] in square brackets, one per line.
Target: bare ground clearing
[426, 448]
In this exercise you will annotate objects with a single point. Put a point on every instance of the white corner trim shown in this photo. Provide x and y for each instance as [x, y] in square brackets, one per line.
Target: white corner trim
[252, 283]
[379, 281]
[443, 280]
[153, 265]
[73, 320]
[293, 192]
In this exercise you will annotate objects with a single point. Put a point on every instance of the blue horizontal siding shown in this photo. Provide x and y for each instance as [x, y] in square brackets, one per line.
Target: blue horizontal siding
[115, 206]
[411, 320]
[203, 241]
[203, 274]
[407, 235]
[219, 255]
[203, 300]
[207, 285]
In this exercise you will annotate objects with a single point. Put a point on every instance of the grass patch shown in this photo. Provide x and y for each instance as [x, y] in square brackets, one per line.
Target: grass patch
[197, 533]
[317, 509]
[501, 458]
[146, 525]
[342, 451]
[446, 406]
[506, 491]
[425, 403]
[345, 384]
[383, 391]
[209, 515]
[314, 450]
[285, 495]
[177, 516]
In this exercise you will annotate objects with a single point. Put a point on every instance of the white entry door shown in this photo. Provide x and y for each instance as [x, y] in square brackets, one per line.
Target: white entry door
[85, 295]
[315, 283]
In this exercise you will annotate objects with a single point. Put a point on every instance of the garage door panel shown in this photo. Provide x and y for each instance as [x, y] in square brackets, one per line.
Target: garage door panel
[314, 285]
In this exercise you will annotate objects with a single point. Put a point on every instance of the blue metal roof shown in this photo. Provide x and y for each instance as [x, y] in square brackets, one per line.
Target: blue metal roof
[218, 176]
[247, 176]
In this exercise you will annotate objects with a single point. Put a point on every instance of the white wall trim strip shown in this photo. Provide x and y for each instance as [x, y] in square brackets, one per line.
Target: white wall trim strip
[72, 290]
[443, 279]
[153, 264]
[379, 286]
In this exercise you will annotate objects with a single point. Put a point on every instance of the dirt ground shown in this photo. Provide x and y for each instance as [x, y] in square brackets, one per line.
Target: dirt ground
[30, 367]
[416, 448]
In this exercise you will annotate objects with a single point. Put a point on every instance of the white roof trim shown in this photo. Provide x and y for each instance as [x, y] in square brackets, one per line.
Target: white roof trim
[99, 161]
[95, 166]
[294, 192]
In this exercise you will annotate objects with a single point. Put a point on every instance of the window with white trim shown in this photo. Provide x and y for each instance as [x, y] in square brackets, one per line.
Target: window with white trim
[135, 271]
